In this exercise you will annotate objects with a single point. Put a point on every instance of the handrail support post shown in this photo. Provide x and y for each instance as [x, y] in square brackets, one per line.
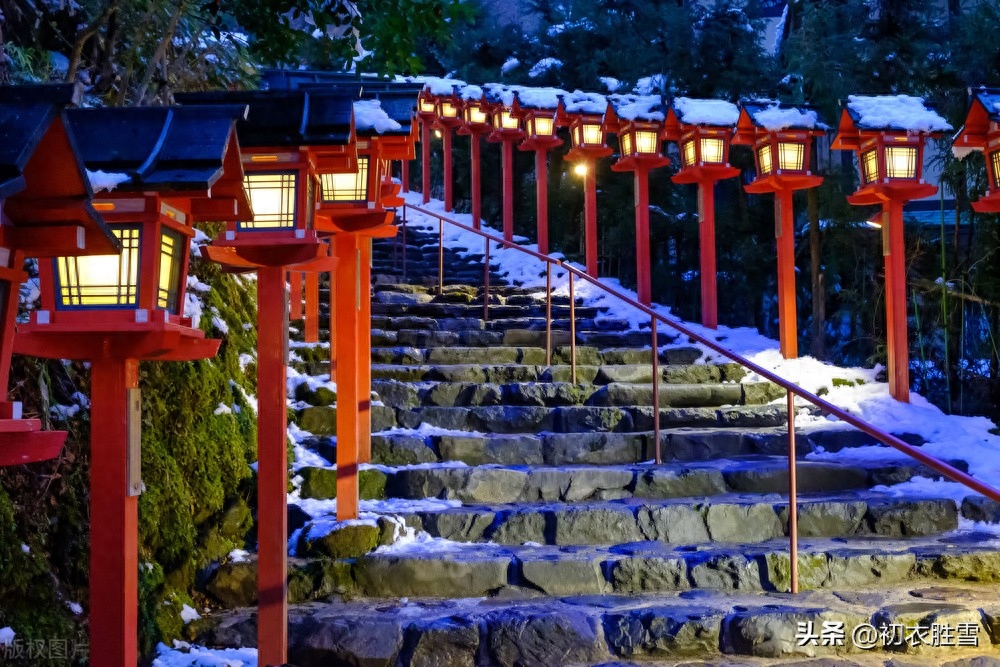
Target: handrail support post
[793, 501]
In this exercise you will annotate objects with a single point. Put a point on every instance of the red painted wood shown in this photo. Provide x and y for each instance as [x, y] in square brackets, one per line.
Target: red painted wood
[364, 342]
[272, 470]
[11, 292]
[449, 185]
[333, 322]
[706, 244]
[114, 529]
[20, 445]
[507, 151]
[347, 249]
[295, 295]
[642, 272]
[590, 216]
[896, 304]
[542, 199]
[404, 174]
[787, 312]
[312, 307]
[425, 160]
[477, 186]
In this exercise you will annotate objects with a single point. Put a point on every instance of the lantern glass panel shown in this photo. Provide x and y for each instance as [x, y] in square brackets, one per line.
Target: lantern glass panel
[592, 135]
[346, 187]
[869, 166]
[791, 155]
[995, 167]
[544, 127]
[689, 154]
[626, 140]
[171, 260]
[901, 161]
[448, 110]
[102, 281]
[647, 142]
[764, 163]
[712, 150]
[426, 106]
[477, 115]
[506, 121]
[272, 197]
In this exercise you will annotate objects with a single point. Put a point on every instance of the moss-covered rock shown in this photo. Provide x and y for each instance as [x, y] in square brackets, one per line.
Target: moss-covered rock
[348, 540]
[319, 420]
[321, 483]
[235, 584]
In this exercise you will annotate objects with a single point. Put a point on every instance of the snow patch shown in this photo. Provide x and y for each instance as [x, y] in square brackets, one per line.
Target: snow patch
[186, 655]
[692, 111]
[102, 181]
[775, 118]
[368, 116]
[543, 66]
[896, 112]
[189, 614]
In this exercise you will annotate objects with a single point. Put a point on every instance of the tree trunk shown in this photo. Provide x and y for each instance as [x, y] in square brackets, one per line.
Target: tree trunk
[160, 55]
[817, 346]
[84, 36]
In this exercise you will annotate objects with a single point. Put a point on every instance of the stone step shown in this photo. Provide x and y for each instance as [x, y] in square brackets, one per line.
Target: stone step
[560, 394]
[471, 297]
[501, 371]
[540, 483]
[627, 364]
[498, 289]
[857, 572]
[396, 323]
[528, 338]
[449, 311]
[680, 444]
[585, 419]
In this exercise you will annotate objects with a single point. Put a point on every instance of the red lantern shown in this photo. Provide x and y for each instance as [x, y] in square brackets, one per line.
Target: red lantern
[887, 133]
[702, 130]
[583, 114]
[981, 132]
[476, 114]
[116, 310]
[638, 121]
[507, 131]
[781, 139]
[45, 211]
[537, 111]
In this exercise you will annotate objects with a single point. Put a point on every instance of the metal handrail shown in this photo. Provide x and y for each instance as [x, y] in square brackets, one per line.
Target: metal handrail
[792, 389]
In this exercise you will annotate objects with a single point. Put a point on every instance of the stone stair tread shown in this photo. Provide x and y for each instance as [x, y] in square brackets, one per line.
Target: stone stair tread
[722, 627]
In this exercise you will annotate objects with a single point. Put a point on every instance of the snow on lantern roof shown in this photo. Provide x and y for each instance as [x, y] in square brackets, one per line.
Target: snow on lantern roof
[439, 85]
[586, 103]
[471, 92]
[894, 112]
[638, 107]
[538, 98]
[369, 116]
[706, 112]
[498, 93]
[774, 117]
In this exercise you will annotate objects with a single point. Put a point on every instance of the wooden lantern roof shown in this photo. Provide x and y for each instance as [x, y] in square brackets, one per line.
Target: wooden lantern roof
[286, 118]
[760, 118]
[867, 116]
[283, 79]
[178, 152]
[687, 114]
[982, 123]
[43, 185]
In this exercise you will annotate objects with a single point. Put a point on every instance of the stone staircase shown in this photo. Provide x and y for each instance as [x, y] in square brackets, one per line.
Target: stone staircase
[522, 521]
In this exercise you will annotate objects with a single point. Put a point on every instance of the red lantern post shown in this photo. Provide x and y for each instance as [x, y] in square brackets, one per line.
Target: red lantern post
[781, 139]
[448, 119]
[702, 130]
[281, 130]
[427, 114]
[475, 113]
[115, 310]
[638, 121]
[507, 131]
[981, 132]
[887, 133]
[537, 110]
[584, 114]
[45, 211]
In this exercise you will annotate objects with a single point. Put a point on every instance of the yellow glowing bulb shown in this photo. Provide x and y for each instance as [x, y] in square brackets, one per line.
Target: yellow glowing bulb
[580, 169]
[437, 133]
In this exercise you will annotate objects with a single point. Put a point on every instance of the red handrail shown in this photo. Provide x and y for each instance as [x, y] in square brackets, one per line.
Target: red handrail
[886, 438]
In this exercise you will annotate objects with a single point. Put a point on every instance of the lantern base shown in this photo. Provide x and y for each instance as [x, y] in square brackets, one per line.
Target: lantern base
[878, 194]
[365, 222]
[23, 441]
[539, 144]
[589, 153]
[776, 182]
[988, 204]
[147, 341]
[640, 163]
[704, 174]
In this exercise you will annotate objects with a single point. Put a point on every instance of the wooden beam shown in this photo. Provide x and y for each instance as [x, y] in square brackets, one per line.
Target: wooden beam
[54, 241]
